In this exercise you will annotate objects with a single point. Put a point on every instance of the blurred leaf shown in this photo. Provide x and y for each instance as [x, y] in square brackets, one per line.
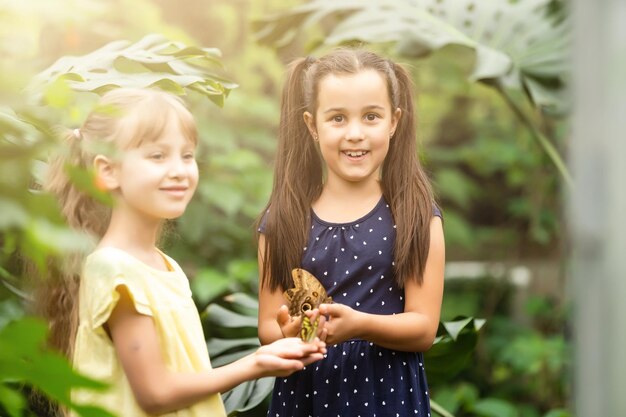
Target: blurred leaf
[221, 316]
[558, 413]
[240, 311]
[208, 284]
[24, 359]
[492, 407]
[152, 61]
[512, 40]
[13, 215]
[85, 181]
[454, 186]
[11, 401]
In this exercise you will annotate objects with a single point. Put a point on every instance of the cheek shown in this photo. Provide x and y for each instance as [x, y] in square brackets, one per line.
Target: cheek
[193, 173]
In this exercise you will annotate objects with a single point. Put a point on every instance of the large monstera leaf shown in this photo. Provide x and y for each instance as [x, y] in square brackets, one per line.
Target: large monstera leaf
[519, 44]
[153, 61]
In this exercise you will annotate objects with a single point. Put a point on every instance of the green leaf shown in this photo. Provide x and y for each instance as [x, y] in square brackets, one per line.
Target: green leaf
[558, 413]
[512, 40]
[227, 318]
[208, 284]
[85, 181]
[493, 407]
[240, 311]
[25, 360]
[11, 401]
[453, 348]
[153, 61]
[13, 215]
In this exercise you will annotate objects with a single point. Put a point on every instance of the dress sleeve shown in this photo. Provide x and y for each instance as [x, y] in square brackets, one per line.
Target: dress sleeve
[437, 211]
[263, 223]
[102, 279]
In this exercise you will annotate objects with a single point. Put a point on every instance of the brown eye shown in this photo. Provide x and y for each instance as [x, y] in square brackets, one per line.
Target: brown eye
[315, 294]
[306, 307]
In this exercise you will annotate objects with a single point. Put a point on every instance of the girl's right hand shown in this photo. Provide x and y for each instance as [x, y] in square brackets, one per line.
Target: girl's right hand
[285, 356]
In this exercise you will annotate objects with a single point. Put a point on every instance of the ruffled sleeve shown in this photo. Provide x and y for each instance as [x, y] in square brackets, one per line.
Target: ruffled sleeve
[104, 273]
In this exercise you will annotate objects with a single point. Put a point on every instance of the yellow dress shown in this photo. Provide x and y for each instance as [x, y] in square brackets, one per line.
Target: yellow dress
[163, 295]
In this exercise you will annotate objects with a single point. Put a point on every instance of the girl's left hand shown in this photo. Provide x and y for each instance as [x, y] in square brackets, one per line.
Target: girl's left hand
[341, 323]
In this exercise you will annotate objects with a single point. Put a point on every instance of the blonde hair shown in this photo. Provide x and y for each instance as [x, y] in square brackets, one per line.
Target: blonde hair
[123, 119]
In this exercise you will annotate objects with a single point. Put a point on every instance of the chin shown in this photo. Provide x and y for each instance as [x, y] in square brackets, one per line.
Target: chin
[172, 216]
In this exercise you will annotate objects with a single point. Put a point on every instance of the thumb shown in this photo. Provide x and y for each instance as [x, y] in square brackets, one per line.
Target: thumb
[283, 316]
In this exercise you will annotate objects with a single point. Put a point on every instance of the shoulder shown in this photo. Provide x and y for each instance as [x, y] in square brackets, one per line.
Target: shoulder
[107, 259]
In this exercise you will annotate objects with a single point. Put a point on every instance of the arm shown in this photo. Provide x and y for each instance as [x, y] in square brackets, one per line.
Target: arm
[274, 319]
[414, 329]
[158, 390]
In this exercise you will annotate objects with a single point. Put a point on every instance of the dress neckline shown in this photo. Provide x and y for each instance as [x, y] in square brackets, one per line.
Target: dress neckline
[170, 267]
[361, 219]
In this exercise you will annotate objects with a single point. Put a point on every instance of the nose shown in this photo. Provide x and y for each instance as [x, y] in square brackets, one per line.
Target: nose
[355, 131]
[177, 168]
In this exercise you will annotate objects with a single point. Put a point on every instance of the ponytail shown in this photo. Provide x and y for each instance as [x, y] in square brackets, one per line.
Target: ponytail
[297, 182]
[56, 288]
[405, 184]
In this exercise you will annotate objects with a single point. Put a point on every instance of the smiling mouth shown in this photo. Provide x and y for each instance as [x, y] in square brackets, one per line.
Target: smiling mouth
[175, 191]
[355, 154]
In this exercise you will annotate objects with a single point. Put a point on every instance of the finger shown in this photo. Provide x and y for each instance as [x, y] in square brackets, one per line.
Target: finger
[282, 317]
[312, 314]
[323, 335]
[312, 358]
[327, 309]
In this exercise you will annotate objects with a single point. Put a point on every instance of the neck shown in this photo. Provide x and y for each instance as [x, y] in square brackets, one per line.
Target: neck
[342, 202]
[351, 191]
[131, 232]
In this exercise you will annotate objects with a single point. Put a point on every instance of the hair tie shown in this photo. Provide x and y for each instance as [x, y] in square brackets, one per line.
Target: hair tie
[77, 135]
[309, 60]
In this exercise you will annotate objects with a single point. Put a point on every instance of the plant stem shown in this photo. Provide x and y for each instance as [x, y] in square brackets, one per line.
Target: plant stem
[439, 409]
[537, 134]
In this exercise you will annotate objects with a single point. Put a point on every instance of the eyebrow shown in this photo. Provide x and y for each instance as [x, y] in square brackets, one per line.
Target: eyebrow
[370, 107]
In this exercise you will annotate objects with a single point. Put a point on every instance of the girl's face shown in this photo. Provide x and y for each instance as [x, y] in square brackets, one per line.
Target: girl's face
[353, 123]
[158, 178]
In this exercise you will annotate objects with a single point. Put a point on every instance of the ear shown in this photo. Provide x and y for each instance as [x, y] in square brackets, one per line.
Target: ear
[395, 118]
[309, 120]
[106, 177]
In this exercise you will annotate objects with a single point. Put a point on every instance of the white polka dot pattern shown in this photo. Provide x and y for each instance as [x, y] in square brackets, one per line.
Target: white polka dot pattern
[357, 378]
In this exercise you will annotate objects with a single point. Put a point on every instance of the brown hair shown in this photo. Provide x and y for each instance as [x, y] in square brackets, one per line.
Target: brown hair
[298, 169]
[123, 119]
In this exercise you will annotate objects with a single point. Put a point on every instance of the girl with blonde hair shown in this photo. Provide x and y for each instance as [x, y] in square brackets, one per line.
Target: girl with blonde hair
[128, 318]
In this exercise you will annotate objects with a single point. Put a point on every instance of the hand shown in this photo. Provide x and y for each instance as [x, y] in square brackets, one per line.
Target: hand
[314, 315]
[289, 326]
[285, 356]
[341, 323]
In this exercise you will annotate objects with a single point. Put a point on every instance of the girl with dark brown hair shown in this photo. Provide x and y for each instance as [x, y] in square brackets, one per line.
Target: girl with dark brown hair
[352, 205]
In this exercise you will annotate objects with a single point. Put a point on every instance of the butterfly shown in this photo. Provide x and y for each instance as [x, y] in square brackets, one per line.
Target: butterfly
[307, 294]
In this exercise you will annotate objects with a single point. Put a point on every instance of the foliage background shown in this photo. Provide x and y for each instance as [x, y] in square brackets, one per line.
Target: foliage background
[499, 191]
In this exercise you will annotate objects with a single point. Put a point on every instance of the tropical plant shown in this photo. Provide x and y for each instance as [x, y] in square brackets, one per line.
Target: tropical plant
[231, 329]
[31, 225]
[517, 45]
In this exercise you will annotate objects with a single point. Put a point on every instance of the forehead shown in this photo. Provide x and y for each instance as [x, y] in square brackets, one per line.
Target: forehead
[364, 88]
[168, 127]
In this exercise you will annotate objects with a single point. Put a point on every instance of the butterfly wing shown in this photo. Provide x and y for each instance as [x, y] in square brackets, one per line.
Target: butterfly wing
[308, 293]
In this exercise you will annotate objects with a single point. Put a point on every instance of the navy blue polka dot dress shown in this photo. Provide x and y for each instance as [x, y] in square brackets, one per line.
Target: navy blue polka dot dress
[356, 378]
